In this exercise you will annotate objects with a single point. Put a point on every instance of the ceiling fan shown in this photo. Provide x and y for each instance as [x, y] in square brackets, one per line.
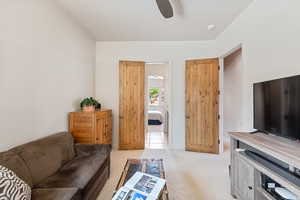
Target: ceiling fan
[165, 8]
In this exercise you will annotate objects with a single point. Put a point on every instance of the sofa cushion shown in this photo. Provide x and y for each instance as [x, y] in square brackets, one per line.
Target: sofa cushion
[45, 156]
[92, 148]
[56, 193]
[76, 173]
[13, 162]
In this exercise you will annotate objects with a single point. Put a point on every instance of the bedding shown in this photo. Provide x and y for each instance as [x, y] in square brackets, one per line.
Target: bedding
[155, 117]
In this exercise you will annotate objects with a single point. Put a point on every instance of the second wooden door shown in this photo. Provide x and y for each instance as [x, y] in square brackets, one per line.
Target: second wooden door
[132, 116]
[202, 105]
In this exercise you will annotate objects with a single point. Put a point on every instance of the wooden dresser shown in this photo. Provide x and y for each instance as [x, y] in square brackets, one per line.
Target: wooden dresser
[91, 127]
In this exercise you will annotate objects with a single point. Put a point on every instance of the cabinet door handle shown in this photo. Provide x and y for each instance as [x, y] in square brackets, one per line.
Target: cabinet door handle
[250, 188]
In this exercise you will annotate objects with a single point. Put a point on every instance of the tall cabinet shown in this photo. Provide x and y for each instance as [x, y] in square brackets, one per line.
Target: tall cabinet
[91, 127]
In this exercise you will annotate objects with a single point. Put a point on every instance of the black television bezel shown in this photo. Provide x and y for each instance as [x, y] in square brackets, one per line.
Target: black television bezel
[265, 131]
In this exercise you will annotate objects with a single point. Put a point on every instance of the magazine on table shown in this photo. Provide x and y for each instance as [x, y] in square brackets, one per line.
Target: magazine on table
[141, 186]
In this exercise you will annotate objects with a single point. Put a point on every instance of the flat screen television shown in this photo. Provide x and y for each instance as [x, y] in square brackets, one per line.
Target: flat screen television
[277, 107]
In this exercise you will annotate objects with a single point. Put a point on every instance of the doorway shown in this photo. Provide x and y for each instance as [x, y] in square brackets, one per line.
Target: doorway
[156, 105]
[144, 105]
[233, 80]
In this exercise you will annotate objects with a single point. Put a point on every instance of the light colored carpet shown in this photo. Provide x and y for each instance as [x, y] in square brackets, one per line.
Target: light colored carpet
[190, 176]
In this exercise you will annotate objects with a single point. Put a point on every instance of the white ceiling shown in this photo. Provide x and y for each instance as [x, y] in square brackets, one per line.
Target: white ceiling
[140, 20]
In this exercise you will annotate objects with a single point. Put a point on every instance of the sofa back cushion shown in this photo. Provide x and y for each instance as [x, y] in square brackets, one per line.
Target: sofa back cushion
[13, 162]
[45, 156]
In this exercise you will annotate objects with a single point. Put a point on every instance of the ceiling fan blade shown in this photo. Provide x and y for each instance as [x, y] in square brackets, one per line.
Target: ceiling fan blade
[165, 8]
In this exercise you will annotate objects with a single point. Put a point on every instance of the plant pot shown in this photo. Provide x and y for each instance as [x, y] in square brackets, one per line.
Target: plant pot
[88, 108]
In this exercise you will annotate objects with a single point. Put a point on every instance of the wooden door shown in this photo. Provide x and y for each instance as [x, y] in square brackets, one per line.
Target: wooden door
[132, 116]
[202, 105]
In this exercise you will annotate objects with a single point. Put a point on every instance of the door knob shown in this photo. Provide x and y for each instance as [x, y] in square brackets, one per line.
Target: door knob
[250, 188]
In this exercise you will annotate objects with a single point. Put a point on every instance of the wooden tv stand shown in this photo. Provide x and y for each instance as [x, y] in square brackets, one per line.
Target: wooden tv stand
[246, 172]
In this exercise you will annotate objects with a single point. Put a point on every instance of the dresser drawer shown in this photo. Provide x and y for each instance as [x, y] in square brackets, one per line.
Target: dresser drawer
[83, 122]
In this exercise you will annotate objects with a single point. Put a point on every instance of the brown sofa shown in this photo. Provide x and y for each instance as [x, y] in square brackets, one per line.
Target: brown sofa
[58, 169]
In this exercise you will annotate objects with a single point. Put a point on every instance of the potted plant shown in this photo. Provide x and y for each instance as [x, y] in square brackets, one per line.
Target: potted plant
[90, 104]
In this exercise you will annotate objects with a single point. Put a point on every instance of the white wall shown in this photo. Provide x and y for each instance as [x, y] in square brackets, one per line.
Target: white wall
[46, 67]
[233, 92]
[269, 32]
[157, 70]
[107, 77]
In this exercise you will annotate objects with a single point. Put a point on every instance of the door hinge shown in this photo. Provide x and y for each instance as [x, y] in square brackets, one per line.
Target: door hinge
[219, 141]
[219, 117]
[219, 67]
[219, 92]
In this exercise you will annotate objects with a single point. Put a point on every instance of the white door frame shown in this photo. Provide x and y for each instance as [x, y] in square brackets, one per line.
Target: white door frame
[221, 97]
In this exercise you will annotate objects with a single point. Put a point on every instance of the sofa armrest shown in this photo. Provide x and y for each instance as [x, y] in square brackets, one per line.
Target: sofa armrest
[56, 193]
[92, 148]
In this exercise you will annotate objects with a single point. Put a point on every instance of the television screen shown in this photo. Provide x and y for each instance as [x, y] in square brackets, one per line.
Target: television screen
[277, 107]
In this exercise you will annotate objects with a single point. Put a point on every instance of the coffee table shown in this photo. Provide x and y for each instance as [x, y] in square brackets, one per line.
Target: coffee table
[153, 167]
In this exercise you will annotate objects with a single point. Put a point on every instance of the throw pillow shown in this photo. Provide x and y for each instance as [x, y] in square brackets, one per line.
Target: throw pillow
[12, 187]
